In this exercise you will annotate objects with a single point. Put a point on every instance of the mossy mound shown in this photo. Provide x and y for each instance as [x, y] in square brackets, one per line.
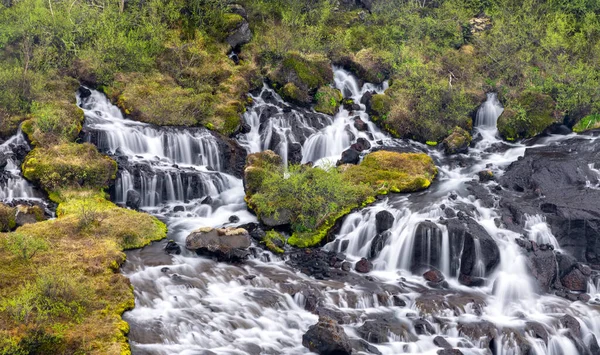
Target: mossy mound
[527, 115]
[387, 171]
[587, 123]
[7, 218]
[60, 286]
[274, 242]
[379, 106]
[369, 65]
[328, 100]
[298, 76]
[457, 142]
[69, 165]
[310, 200]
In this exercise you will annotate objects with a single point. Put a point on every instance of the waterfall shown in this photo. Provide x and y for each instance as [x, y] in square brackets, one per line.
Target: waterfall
[488, 113]
[12, 184]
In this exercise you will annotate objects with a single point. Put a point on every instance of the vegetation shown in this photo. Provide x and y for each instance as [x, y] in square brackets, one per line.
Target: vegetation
[587, 123]
[457, 142]
[328, 100]
[310, 199]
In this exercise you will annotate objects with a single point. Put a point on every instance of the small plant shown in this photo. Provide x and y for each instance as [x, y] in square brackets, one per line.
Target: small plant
[89, 215]
[23, 245]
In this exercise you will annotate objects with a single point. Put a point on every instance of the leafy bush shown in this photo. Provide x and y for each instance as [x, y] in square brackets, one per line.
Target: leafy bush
[7, 218]
[24, 246]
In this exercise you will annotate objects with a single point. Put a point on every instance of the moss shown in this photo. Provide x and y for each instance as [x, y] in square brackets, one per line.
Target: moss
[527, 115]
[380, 105]
[7, 218]
[328, 100]
[587, 123]
[291, 92]
[69, 165]
[273, 240]
[457, 142]
[369, 64]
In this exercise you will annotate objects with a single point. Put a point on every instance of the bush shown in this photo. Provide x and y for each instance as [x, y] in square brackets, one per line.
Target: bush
[24, 246]
[7, 218]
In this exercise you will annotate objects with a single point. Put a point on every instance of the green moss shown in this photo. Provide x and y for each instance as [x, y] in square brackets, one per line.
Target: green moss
[587, 123]
[527, 115]
[380, 104]
[7, 218]
[328, 100]
[69, 165]
[431, 143]
[291, 92]
[457, 142]
[272, 240]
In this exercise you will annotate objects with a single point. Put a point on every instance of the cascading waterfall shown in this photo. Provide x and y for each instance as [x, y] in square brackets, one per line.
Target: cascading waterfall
[186, 304]
[12, 184]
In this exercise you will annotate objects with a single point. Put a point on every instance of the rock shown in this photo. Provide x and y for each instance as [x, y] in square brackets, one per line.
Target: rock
[378, 243]
[295, 153]
[133, 199]
[550, 181]
[84, 92]
[384, 220]
[366, 98]
[457, 142]
[349, 156]
[541, 265]
[481, 331]
[423, 327]
[575, 280]
[280, 218]
[572, 324]
[178, 209]
[327, 338]
[427, 245]
[228, 244]
[240, 36]
[207, 200]
[172, 248]
[485, 175]
[346, 266]
[360, 125]
[434, 275]
[377, 331]
[245, 128]
[3, 160]
[364, 347]
[29, 214]
[449, 352]
[361, 145]
[363, 266]
[337, 315]
[234, 219]
[441, 342]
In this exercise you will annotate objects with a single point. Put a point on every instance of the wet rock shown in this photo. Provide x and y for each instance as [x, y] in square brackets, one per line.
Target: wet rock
[398, 302]
[280, 218]
[363, 266]
[378, 243]
[485, 175]
[229, 244]
[423, 327]
[172, 248]
[245, 128]
[295, 153]
[133, 199]
[349, 156]
[377, 330]
[551, 181]
[541, 265]
[363, 346]
[346, 266]
[84, 92]
[427, 245]
[178, 209]
[572, 324]
[434, 275]
[207, 201]
[480, 331]
[360, 125]
[3, 160]
[457, 142]
[366, 98]
[537, 330]
[361, 145]
[337, 315]
[327, 338]
[384, 220]
[575, 280]
[449, 352]
[234, 219]
[441, 342]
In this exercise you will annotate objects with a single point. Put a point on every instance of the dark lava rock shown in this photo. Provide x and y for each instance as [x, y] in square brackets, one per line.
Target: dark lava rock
[433, 275]
[84, 92]
[295, 153]
[423, 327]
[360, 125]
[481, 331]
[133, 199]
[540, 263]
[178, 209]
[245, 128]
[575, 280]
[228, 244]
[361, 145]
[363, 266]
[349, 156]
[572, 324]
[441, 342]
[377, 330]
[346, 266]
[327, 338]
[207, 200]
[172, 248]
[363, 346]
[378, 243]
[551, 181]
[449, 352]
[384, 220]
[240, 36]
[234, 219]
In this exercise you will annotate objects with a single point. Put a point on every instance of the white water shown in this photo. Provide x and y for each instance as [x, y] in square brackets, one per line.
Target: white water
[199, 305]
[12, 184]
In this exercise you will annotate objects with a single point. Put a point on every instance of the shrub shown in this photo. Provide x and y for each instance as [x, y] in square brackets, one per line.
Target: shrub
[24, 246]
[7, 218]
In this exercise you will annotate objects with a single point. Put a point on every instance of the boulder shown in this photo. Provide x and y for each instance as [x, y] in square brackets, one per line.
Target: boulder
[172, 248]
[575, 280]
[384, 220]
[349, 156]
[228, 244]
[457, 142]
[29, 214]
[84, 92]
[361, 145]
[378, 330]
[240, 35]
[363, 266]
[327, 338]
[433, 275]
[485, 175]
[3, 160]
[378, 243]
[360, 125]
[541, 264]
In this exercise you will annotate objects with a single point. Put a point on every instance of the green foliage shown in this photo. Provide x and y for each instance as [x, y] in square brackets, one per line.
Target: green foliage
[328, 100]
[272, 240]
[587, 123]
[527, 115]
[24, 246]
[457, 141]
[7, 218]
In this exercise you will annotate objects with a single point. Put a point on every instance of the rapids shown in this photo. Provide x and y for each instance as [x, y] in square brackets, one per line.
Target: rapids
[12, 184]
[187, 304]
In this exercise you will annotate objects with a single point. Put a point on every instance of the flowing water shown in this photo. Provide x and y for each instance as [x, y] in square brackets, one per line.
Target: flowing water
[12, 184]
[188, 304]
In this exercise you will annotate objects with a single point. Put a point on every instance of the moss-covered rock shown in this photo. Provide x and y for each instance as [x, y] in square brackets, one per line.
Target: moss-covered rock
[274, 241]
[369, 65]
[527, 115]
[379, 106]
[69, 165]
[7, 218]
[457, 142]
[307, 73]
[258, 166]
[328, 100]
[386, 171]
